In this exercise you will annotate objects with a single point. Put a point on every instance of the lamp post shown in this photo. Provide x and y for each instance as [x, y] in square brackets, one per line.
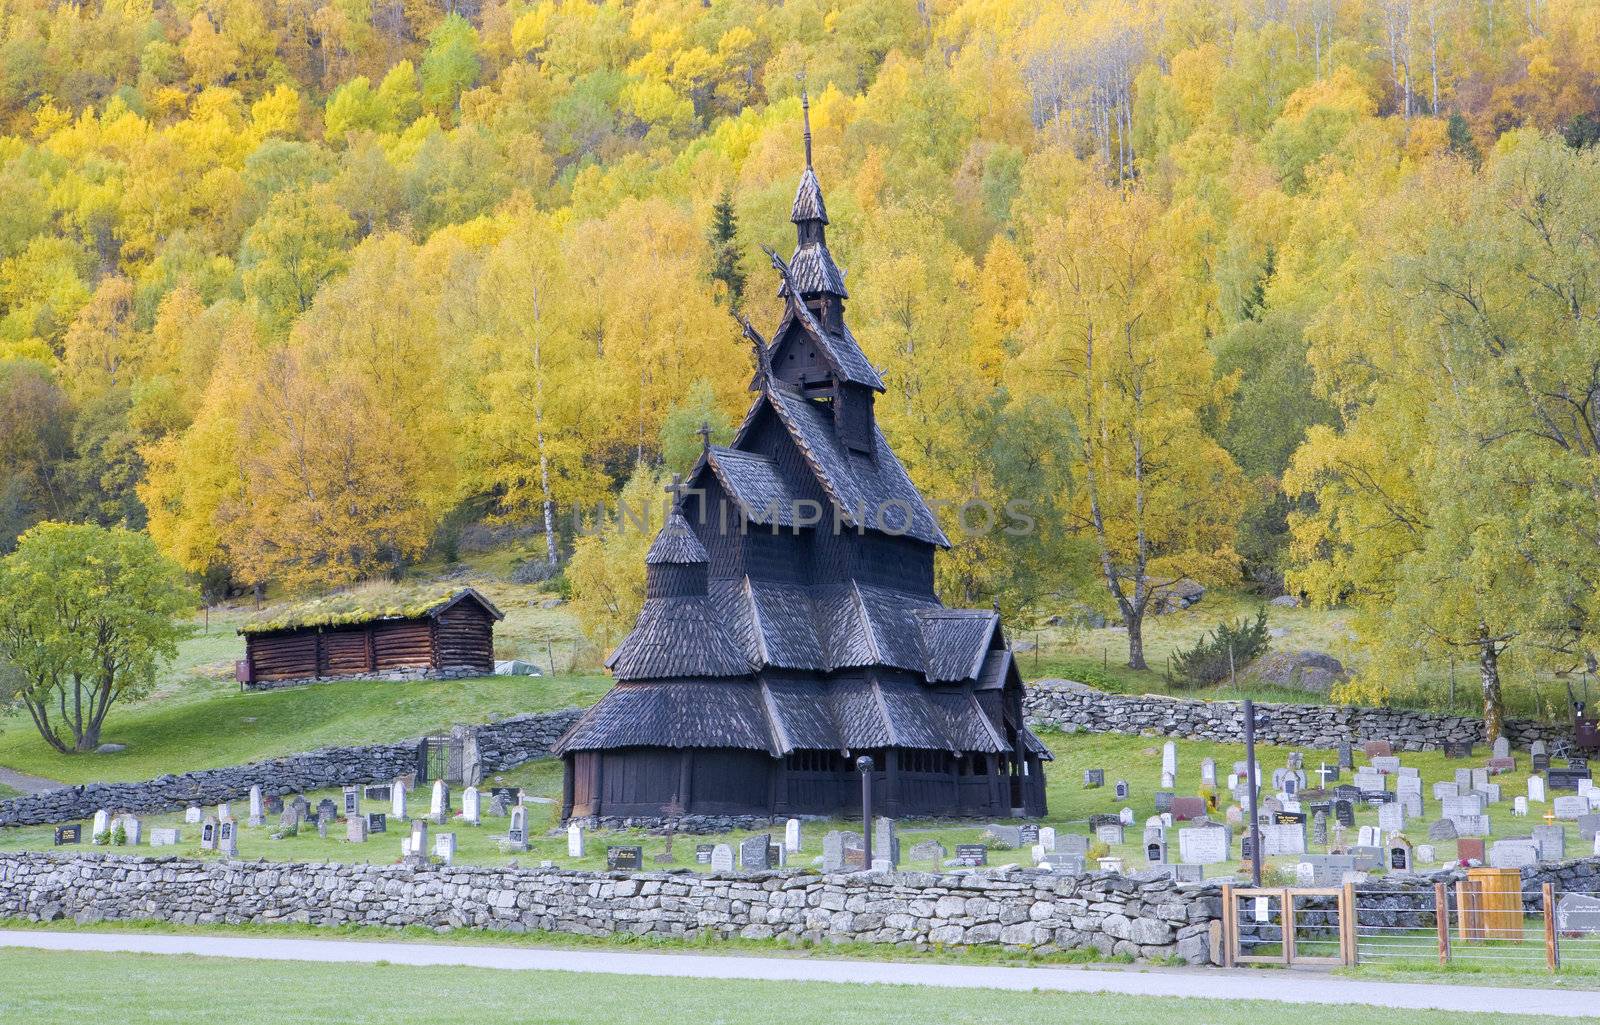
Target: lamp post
[1250, 782]
[864, 766]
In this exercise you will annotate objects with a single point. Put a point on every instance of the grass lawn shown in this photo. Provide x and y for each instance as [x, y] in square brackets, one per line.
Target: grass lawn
[43, 987]
[197, 718]
[6, 792]
[1136, 759]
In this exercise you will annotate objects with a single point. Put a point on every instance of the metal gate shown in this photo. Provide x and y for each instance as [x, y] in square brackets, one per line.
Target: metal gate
[1288, 925]
[433, 759]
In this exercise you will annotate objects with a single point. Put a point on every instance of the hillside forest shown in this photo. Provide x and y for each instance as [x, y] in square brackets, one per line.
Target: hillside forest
[1281, 294]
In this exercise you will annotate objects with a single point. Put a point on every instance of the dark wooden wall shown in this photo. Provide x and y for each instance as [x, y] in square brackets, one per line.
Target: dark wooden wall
[461, 638]
[464, 639]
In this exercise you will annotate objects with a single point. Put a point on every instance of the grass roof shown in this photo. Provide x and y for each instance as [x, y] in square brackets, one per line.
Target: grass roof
[360, 605]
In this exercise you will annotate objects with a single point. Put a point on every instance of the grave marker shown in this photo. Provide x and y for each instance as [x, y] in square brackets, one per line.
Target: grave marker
[972, 855]
[355, 830]
[1094, 778]
[70, 834]
[352, 802]
[627, 858]
[575, 841]
[377, 822]
[258, 815]
[1204, 845]
[471, 806]
[444, 848]
[754, 853]
[722, 858]
[1570, 809]
[208, 834]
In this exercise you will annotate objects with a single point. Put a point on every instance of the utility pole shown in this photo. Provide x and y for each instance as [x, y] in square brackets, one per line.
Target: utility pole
[1250, 781]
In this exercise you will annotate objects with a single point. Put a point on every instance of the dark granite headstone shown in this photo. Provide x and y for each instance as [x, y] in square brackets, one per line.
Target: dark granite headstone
[1541, 762]
[625, 859]
[1093, 778]
[1122, 790]
[1458, 749]
[274, 805]
[972, 854]
[702, 853]
[377, 822]
[755, 852]
[1344, 812]
[1028, 833]
[1470, 848]
[1566, 779]
[69, 834]
[1163, 801]
[1347, 756]
[379, 793]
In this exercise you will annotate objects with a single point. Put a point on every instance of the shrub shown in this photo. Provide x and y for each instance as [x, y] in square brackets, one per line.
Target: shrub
[1218, 653]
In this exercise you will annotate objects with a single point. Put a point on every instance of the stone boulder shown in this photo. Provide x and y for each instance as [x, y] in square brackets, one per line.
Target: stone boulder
[1285, 601]
[1175, 597]
[1312, 671]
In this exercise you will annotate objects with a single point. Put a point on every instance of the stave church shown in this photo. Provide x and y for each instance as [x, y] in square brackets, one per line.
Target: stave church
[777, 645]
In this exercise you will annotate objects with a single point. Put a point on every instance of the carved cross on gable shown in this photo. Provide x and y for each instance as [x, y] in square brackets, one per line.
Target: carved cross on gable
[705, 435]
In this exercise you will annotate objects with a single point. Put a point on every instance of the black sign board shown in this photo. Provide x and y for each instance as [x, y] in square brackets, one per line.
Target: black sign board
[69, 834]
[377, 822]
[627, 859]
[1458, 749]
[1094, 778]
[1566, 779]
[1028, 833]
[383, 793]
[1289, 818]
[512, 795]
[971, 854]
[702, 853]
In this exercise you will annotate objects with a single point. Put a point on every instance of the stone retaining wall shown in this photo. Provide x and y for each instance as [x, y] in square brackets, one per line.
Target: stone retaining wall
[1069, 706]
[396, 676]
[501, 745]
[1116, 915]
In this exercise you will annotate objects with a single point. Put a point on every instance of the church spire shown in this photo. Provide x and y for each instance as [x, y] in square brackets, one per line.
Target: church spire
[812, 266]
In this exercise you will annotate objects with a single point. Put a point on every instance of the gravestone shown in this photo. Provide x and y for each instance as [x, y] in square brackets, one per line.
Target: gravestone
[517, 832]
[355, 830]
[419, 836]
[1208, 772]
[289, 821]
[1464, 781]
[1412, 803]
[1047, 837]
[397, 800]
[192, 815]
[1155, 852]
[1347, 758]
[702, 853]
[1425, 854]
[274, 804]
[1344, 812]
[1490, 793]
[208, 833]
[1588, 825]
[1540, 762]
[224, 812]
[929, 850]
[1502, 747]
[1388, 765]
[471, 806]
[1282, 838]
[1519, 807]
[1536, 789]
[1365, 859]
[228, 840]
[1443, 829]
[169, 837]
[1399, 856]
[1005, 837]
[1319, 829]
[1480, 779]
[1122, 790]
[1073, 843]
[1569, 809]
[1185, 809]
[630, 858]
[1370, 782]
[575, 841]
[1169, 758]
[1377, 749]
[1369, 836]
[1471, 825]
[722, 858]
[301, 806]
[1204, 845]
[439, 806]
[1456, 749]
[1391, 817]
[499, 807]
[754, 853]
[377, 822]
[1110, 835]
[326, 810]
[444, 848]
[132, 829]
[1513, 853]
[1565, 779]
[352, 801]
[1578, 914]
[791, 836]
[886, 842]
[258, 813]
[1125, 816]
[1551, 841]
[73, 834]
[1163, 801]
[974, 855]
[1443, 790]
[1466, 804]
[377, 792]
[1028, 833]
[843, 851]
[1094, 778]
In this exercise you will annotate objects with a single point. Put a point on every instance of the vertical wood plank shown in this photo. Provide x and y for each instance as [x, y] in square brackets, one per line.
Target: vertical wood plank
[1441, 905]
[1552, 953]
[1230, 936]
[1349, 923]
[1287, 898]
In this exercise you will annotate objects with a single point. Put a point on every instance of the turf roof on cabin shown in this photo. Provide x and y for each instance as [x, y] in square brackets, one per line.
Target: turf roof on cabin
[365, 605]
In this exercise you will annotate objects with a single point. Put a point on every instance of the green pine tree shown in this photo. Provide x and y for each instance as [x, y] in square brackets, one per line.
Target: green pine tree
[725, 249]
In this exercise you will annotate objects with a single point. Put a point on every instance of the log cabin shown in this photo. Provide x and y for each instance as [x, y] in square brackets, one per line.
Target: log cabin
[774, 648]
[371, 634]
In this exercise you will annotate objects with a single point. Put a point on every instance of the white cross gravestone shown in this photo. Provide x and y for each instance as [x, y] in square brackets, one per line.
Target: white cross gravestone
[439, 806]
[791, 836]
[575, 843]
[471, 806]
[1536, 789]
[397, 800]
[258, 814]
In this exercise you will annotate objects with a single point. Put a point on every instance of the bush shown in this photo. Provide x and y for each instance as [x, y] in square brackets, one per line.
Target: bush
[1218, 653]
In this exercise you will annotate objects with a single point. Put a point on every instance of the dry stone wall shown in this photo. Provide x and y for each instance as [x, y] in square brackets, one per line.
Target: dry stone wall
[501, 745]
[1071, 707]
[1116, 915]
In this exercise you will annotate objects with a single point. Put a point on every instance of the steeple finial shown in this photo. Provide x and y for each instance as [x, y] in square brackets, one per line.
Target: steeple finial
[705, 435]
[805, 114]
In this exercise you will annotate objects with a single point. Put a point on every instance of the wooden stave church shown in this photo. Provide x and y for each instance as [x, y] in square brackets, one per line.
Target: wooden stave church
[771, 653]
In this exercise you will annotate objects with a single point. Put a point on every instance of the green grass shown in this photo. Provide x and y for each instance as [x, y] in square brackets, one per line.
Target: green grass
[1099, 658]
[44, 987]
[197, 717]
[1136, 759]
[6, 793]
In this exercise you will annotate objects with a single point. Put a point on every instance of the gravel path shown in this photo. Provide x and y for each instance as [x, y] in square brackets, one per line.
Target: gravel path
[26, 783]
[1216, 984]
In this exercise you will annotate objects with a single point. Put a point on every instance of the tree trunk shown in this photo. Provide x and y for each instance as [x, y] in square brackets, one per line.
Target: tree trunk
[1135, 624]
[1489, 672]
